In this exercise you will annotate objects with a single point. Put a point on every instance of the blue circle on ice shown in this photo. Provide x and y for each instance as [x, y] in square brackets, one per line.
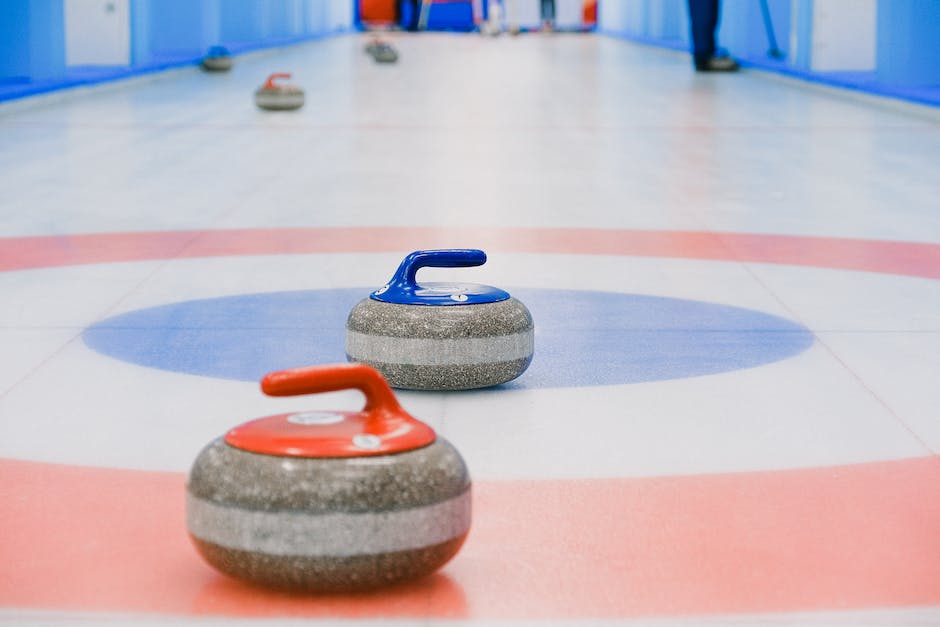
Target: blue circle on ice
[581, 337]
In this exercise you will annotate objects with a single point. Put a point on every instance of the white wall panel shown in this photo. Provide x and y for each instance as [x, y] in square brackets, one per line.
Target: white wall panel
[97, 32]
[844, 35]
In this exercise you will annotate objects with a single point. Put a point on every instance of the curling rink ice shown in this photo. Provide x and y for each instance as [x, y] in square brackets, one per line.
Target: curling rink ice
[733, 413]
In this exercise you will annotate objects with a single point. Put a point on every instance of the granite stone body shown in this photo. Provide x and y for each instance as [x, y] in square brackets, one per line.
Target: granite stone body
[384, 53]
[442, 347]
[217, 64]
[285, 98]
[328, 524]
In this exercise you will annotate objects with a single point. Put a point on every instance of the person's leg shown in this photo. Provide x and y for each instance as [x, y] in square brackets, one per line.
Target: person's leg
[415, 14]
[400, 12]
[512, 19]
[548, 11]
[703, 17]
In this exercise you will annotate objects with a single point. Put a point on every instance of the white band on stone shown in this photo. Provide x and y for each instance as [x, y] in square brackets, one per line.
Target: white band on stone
[328, 535]
[439, 352]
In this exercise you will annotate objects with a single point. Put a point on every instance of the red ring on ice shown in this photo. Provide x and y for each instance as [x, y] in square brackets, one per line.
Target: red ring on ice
[891, 257]
[847, 537]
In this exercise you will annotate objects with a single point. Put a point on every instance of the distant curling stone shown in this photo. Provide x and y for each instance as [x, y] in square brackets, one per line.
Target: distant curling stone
[329, 501]
[218, 59]
[384, 53]
[274, 97]
[441, 336]
[372, 44]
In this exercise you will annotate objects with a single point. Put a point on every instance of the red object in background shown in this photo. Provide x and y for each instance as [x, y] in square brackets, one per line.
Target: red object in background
[377, 11]
[590, 12]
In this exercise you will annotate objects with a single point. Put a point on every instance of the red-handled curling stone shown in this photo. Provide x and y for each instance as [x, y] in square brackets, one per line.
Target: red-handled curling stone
[274, 96]
[329, 500]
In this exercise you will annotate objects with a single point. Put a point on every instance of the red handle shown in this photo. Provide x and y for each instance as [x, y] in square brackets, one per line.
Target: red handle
[315, 379]
[269, 84]
[381, 428]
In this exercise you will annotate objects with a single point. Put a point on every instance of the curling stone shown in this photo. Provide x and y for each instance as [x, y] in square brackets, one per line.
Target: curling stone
[329, 501]
[218, 59]
[372, 44]
[274, 97]
[384, 53]
[441, 336]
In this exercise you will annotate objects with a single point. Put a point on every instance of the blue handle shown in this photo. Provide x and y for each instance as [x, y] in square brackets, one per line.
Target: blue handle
[404, 277]
[404, 289]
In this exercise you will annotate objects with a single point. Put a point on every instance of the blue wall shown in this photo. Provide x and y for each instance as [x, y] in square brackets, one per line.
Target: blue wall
[167, 33]
[907, 48]
[32, 40]
[667, 22]
[163, 34]
[172, 29]
[909, 42]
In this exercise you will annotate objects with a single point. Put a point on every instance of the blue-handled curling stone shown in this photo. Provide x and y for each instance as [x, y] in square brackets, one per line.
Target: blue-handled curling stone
[218, 59]
[441, 336]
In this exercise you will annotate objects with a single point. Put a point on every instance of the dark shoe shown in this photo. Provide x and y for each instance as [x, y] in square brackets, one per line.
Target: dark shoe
[717, 64]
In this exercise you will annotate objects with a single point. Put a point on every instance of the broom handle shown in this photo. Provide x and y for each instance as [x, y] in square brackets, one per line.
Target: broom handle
[423, 16]
[769, 27]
